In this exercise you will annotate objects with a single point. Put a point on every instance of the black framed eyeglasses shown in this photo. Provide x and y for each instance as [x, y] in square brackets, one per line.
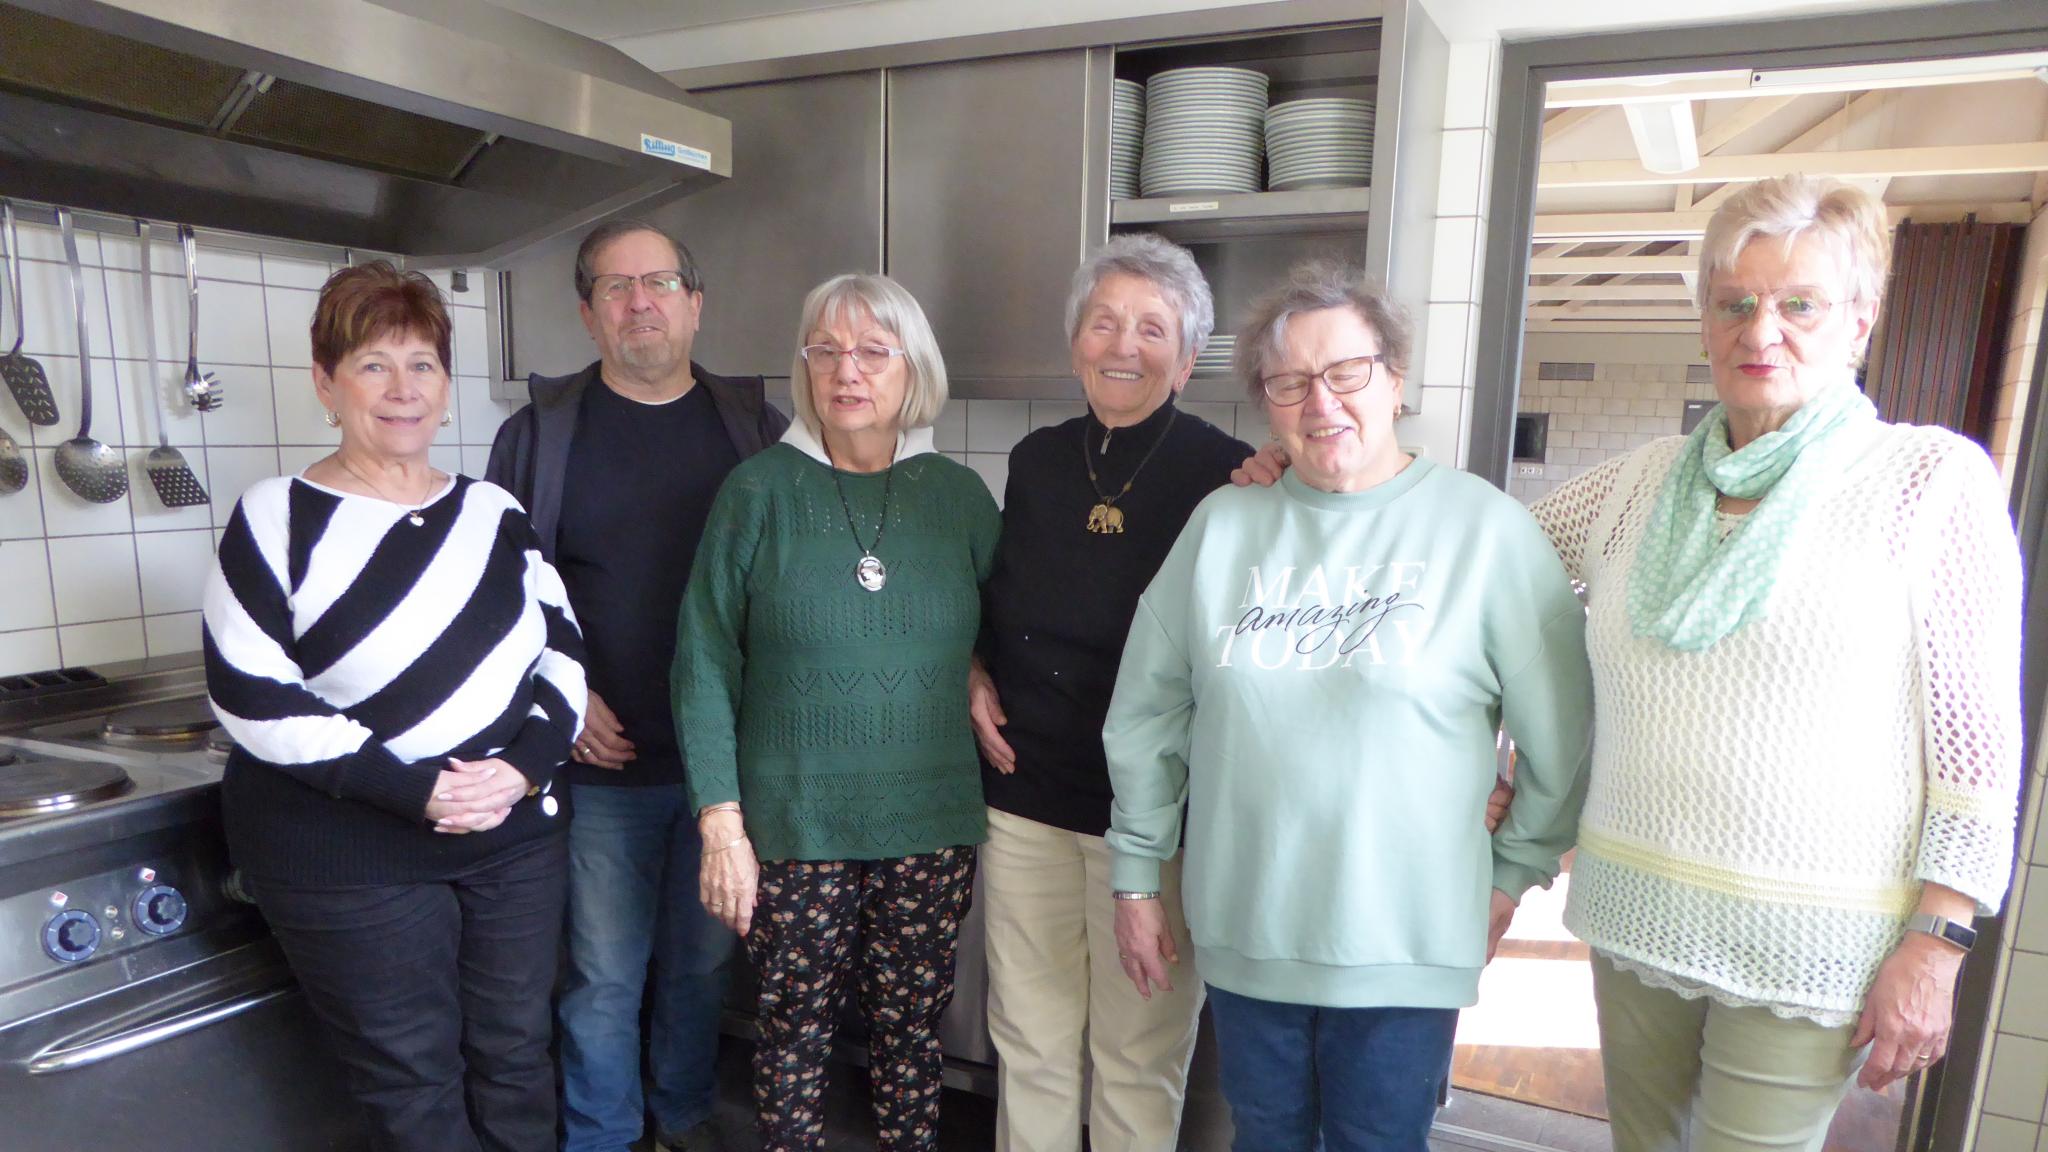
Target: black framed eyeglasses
[1348, 375]
[869, 358]
[614, 288]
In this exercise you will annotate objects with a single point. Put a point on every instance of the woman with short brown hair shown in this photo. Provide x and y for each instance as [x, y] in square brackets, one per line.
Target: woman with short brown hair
[400, 671]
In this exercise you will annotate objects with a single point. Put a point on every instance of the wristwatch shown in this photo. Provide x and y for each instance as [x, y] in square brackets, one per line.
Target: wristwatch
[1942, 928]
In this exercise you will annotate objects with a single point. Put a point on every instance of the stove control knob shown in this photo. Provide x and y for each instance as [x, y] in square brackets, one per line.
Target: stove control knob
[71, 936]
[160, 910]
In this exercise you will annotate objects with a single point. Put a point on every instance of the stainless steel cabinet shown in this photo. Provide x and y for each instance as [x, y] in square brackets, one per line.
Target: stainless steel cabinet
[804, 203]
[989, 203]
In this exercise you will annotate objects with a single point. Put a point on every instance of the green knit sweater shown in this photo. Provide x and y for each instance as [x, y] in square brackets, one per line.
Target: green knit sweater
[836, 716]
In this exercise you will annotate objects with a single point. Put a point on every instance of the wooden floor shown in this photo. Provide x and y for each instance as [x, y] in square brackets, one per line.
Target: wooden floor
[1533, 1037]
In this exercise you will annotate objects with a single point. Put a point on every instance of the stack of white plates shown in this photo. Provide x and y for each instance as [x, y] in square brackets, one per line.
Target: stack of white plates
[1203, 131]
[1319, 143]
[1126, 138]
[1214, 358]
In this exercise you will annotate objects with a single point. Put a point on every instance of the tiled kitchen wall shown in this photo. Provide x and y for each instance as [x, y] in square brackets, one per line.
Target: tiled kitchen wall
[2014, 1089]
[83, 583]
[2030, 297]
[1600, 411]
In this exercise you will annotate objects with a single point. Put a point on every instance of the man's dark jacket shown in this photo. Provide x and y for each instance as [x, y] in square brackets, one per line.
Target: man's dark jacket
[530, 456]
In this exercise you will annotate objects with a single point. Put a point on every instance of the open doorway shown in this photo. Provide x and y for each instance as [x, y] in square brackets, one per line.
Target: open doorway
[1591, 325]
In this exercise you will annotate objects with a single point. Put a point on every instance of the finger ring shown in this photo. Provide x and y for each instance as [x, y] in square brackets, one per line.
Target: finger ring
[1123, 955]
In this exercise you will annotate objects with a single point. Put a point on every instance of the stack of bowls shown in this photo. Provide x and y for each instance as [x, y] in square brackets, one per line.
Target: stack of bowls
[1203, 131]
[1319, 143]
[1214, 358]
[1126, 138]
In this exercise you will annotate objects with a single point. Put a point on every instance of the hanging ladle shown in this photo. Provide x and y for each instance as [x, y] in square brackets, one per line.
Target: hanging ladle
[86, 466]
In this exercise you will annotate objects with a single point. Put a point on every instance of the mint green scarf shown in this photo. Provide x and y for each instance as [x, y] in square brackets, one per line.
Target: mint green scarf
[1689, 588]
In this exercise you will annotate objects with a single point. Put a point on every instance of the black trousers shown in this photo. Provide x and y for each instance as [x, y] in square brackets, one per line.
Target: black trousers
[435, 996]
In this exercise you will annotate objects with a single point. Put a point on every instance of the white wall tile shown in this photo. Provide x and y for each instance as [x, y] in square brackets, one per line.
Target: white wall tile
[1469, 97]
[1462, 175]
[65, 513]
[232, 470]
[300, 417]
[289, 315]
[446, 457]
[126, 252]
[169, 635]
[95, 578]
[949, 431]
[217, 263]
[28, 651]
[138, 420]
[174, 569]
[64, 386]
[472, 342]
[249, 415]
[288, 272]
[293, 459]
[2026, 996]
[123, 334]
[480, 415]
[476, 460]
[45, 242]
[149, 511]
[232, 331]
[2017, 1081]
[1045, 413]
[1453, 262]
[25, 574]
[2032, 933]
[2000, 1134]
[994, 468]
[101, 643]
[996, 425]
[21, 515]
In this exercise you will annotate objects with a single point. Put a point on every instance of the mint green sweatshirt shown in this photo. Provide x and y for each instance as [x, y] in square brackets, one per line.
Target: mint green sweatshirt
[1317, 679]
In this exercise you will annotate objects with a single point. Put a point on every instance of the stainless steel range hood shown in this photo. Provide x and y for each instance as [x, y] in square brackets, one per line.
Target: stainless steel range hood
[451, 131]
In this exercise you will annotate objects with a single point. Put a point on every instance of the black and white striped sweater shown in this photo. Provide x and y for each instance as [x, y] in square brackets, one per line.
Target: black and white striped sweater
[351, 653]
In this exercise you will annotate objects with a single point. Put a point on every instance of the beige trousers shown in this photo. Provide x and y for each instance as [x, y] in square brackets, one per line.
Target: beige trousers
[1059, 1003]
[1702, 1076]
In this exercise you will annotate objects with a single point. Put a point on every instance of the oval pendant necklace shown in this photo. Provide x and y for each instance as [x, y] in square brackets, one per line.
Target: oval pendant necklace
[869, 571]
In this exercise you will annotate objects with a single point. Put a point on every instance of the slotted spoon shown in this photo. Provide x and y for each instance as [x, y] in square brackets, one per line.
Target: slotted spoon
[165, 466]
[86, 466]
[25, 378]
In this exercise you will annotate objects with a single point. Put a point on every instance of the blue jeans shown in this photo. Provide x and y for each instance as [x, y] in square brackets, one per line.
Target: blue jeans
[1305, 1079]
[633, 858]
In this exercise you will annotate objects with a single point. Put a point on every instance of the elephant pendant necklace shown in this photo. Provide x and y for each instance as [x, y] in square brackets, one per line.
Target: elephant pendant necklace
[1106, 519]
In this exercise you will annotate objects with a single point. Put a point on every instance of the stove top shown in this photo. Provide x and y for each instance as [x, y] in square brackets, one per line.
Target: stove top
[42, 787]
[165, 721]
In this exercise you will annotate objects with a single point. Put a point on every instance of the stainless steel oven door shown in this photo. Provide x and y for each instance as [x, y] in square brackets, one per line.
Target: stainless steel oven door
[223, 1053]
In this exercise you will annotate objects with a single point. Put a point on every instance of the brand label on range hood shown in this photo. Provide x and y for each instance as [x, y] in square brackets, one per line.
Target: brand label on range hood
[670, 150]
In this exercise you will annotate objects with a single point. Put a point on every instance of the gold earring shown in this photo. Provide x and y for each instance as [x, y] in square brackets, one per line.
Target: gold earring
[332, 418]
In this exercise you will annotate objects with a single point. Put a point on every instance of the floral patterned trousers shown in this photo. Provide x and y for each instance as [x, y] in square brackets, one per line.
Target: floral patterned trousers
[890, 928]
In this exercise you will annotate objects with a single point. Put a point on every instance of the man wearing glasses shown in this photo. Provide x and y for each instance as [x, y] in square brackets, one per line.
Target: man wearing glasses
[617, 465]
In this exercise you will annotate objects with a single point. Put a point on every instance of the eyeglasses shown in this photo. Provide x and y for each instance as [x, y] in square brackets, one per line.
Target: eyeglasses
[869, 358]
[1800, 306]
[614, 288]
[1290, 388]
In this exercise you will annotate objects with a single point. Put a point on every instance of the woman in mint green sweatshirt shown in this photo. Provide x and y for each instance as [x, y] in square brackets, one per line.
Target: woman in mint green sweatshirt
[1316, 678]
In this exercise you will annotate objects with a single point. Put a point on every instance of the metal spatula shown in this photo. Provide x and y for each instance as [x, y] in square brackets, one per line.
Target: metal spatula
[168, 472]
[13, 466]
[86, 466]
[25, 378]
[203, 389]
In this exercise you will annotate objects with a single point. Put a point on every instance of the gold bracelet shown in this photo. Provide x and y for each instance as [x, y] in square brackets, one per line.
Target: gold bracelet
[725, 847]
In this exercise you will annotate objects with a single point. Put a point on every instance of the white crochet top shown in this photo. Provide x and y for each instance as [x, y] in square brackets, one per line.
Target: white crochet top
[1761, 814]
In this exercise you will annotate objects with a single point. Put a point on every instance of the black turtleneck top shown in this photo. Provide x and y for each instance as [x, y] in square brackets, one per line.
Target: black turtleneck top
[1061, 600]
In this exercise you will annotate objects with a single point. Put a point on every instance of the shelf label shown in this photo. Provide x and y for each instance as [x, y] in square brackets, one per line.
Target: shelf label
[670, 150]
[1194, 206]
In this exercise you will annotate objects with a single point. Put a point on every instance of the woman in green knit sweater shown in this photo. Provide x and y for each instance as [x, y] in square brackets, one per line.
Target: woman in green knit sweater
[821, 662]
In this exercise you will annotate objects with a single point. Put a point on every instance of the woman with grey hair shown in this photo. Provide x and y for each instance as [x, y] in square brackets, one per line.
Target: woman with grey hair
[1312, 687]
[1092, 505]
[1804, 626]
[825, 633]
